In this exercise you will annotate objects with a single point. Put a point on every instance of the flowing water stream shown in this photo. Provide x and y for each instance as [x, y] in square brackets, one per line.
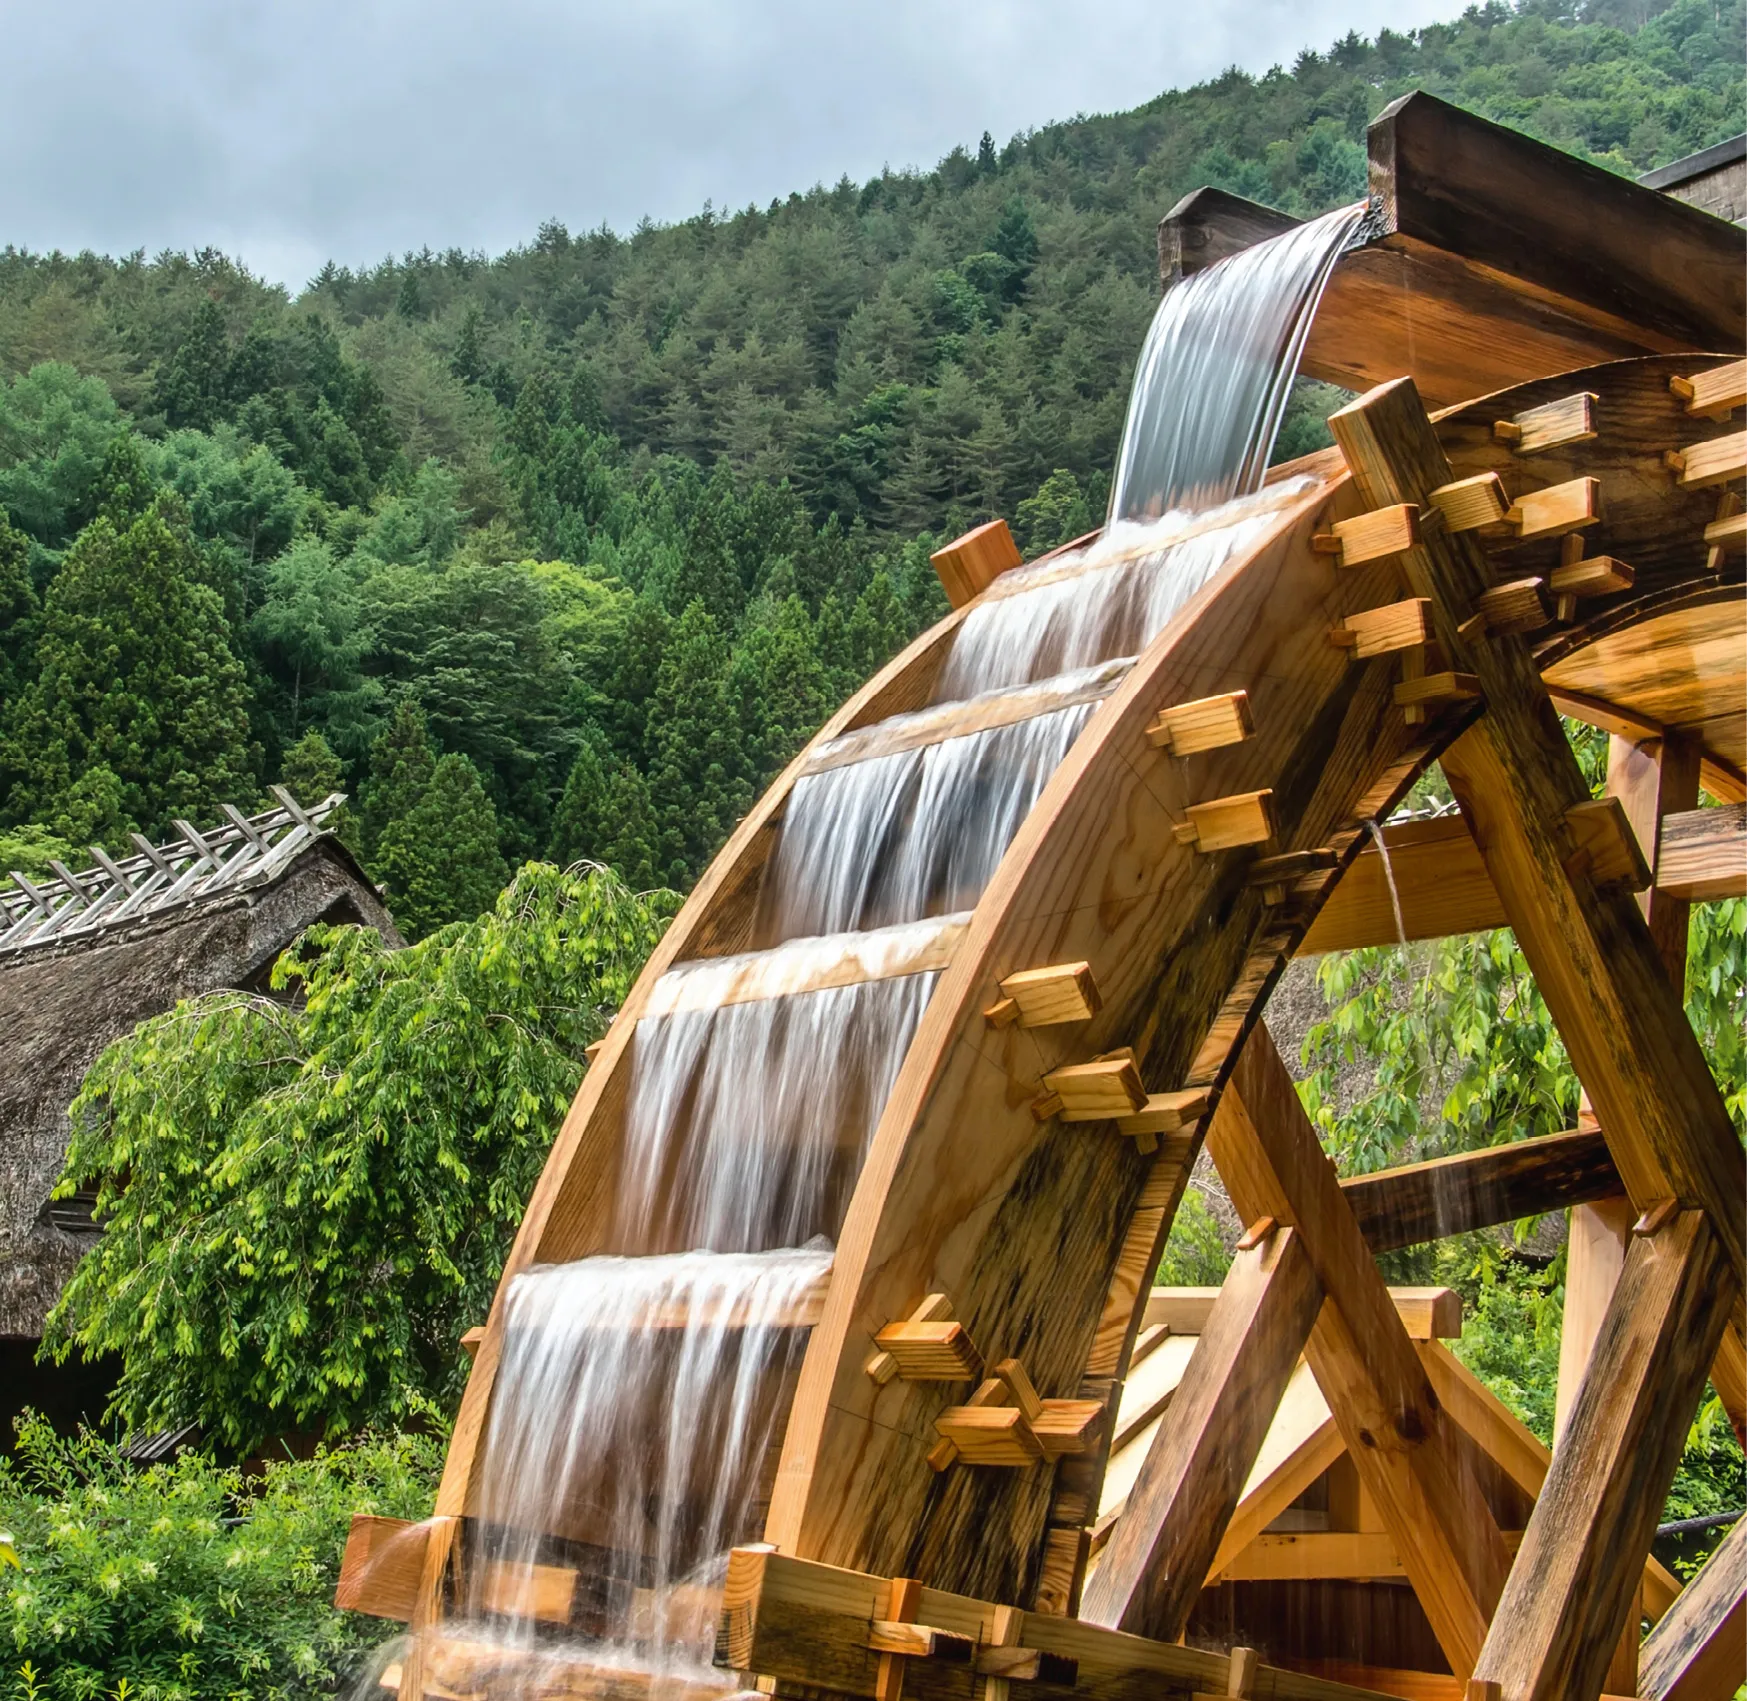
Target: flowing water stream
[640, 1394]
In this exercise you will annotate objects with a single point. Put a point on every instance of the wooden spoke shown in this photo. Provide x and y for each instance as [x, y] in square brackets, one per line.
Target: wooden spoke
[1699, 1649]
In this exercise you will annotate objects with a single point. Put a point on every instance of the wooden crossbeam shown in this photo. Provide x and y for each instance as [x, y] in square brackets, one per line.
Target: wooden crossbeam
[1415, 1203]
[1426, 1314]
[1593, 957]
[1415, 1464]
[1699, 1649]
[1181, 1504]
[1564, 1604]
[796, 1621]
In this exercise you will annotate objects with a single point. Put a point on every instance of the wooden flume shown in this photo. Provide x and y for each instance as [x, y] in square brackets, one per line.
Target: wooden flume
[986, 1348]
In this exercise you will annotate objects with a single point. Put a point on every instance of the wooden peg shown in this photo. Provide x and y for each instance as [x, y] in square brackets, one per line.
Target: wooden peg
[1370, 537]
[1413, 669]
[970, 564]
[1207, 723]
[1098, 1091]
[1003, 1013]
[1558, 509]
[1553, 425]
[1714, 394]
[1025, 1397]
[919, 1642]
[1470, 503]
[1660, 1214]
[1727, 534]
[1006, 1625]
[1246, 818]
[1520, 605]
[1241, 1674]
[903, 1601]
[591, 1052]
[1577, 577]
[472, 1340]
[1701, 465]
[926, 1347]
[1064, 992]
[1380, 631]
[1046, 1105]
[1607, 848]
[1437, 688]
[1256, 1233]
[942, 1456]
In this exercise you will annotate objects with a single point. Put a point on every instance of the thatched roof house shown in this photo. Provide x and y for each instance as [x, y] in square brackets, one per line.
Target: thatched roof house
[86, 957]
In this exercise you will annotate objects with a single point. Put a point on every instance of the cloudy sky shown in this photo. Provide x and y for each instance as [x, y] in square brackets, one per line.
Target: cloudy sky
[288, 133]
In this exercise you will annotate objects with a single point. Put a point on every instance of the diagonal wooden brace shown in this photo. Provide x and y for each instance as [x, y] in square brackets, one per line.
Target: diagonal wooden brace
[1415, 1462]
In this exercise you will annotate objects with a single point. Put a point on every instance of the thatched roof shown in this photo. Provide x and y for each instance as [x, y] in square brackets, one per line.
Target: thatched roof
[86, 958]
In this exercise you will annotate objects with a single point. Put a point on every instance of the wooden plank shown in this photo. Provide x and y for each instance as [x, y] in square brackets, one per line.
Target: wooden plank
[1309, 1554]
[1591, 576]
[1593, 957]
[1606, 851]
[1551, 425]
[970, 564]
[1374, 536]
[990, 1435]
[1181, 1504]
[1729, 533]
[801, 1622]
[1207, 723]
[1701, 854]
[1714, 393]
[1093, 1092]
[931, 1351]
[1415, 1203]
[1426, 1313]
[1520, 605]
[1064, 992]
[1564, 1604]
[1416, 1466]
[380, 1569]
[1699, 1650]
[543, 1593]
[1470, 503]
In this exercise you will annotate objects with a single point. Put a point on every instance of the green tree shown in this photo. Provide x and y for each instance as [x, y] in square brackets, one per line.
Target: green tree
[136, 674]
[306, 1202]
[312, 772]
[194, 389]
[440, 860]
[18, 613]
[55, 430]
[402, 761]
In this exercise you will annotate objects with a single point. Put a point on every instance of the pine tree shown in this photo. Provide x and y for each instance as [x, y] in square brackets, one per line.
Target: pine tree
[467, 363]
[402, 761]
[136, 673]
[579, 826]
[440, 861]
[194, 389]
[630, 828]
[18, 613]
[695, 779]
[312, 773]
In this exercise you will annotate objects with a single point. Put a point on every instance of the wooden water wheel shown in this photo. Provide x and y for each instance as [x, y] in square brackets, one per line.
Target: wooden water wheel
[1439, 591]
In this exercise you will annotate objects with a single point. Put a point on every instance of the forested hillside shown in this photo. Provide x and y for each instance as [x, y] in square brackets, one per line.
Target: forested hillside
[563, 553]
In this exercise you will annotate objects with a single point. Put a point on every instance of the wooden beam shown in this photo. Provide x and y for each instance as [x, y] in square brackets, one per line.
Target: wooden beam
[799, 1622]
[380, 1569]
[1207, 723]
[1427, 1314]
[1699, 1650]
[1227, 823]
[1414, 1203]
[970, 564]
[1415, 1464]
[1043, 998]
[1182, 1502]
[1517, 781]
[1702, 854]
[1565, 1602]
[1552, 425]
[1714, 393]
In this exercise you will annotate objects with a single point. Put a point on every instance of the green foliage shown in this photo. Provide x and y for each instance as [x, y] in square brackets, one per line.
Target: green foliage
[190, 1580]
[1196, 1255]
[136, 675]
[440, 859]
[55, 429]
[306, 1204]
[29, 849]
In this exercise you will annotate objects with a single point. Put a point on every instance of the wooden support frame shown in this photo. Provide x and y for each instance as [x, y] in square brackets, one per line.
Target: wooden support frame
[1417, 1467]
[1699, 1649]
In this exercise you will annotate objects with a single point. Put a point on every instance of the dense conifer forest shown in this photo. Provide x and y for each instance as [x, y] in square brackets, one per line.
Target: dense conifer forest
[563, 552]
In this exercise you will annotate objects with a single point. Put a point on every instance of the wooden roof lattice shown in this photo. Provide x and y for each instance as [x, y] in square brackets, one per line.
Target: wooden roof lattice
[246, 851]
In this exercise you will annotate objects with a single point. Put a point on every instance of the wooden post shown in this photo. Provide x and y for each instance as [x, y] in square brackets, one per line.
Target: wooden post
[1558, 1620]
[1414, 1462]
[1152, 1572]
[1516, 779]
[1700, 1648]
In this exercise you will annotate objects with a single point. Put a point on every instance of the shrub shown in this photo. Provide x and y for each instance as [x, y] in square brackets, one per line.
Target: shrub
[189, 1580]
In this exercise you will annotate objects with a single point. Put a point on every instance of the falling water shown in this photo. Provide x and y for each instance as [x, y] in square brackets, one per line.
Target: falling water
[1216, 370]
[641, 1392]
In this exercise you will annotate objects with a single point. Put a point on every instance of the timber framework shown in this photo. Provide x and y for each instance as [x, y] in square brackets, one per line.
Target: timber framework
[1011, 1469]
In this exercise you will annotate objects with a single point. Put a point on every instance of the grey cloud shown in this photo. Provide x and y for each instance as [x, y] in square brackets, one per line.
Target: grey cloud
[287, 134]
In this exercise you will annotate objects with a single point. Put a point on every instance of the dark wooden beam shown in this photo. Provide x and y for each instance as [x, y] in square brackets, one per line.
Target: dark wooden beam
[1151, 1574]
[1699, 1649]
[1416, 1464]
[1474, 1190]
[1703, 854]
[1564, 1605]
